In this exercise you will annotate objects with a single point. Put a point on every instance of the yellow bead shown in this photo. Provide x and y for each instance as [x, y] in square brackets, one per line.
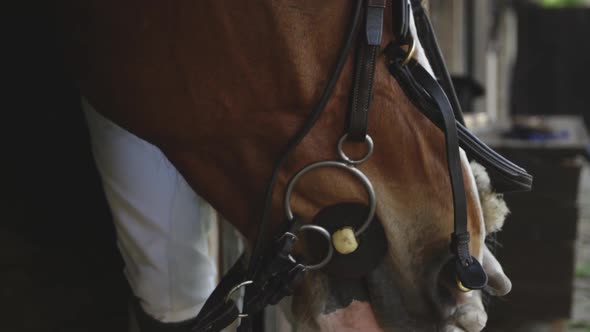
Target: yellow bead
[344, 241]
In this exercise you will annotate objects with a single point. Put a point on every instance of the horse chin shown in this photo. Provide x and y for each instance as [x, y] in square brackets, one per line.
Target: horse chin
[360, 316]
[467, 318]
[379, 303]
[357, 316]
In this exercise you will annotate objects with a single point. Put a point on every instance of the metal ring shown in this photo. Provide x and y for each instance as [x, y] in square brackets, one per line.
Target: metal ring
[410, 53]
[338, 164]
[328, 257]
[235, 289]
[345, 158]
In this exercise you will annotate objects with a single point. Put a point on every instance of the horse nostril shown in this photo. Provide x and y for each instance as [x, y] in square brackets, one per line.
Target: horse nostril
[445, 288]
[444, 292]
[447, 276]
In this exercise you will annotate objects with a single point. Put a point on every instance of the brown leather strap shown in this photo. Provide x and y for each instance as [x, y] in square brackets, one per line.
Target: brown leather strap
[364, 75]
[362, 93]
[261, 245]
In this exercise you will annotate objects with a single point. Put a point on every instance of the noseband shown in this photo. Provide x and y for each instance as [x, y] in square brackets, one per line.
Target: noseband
[272, 272]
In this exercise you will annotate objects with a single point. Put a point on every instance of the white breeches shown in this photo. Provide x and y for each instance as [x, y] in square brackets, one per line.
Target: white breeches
[162, 225]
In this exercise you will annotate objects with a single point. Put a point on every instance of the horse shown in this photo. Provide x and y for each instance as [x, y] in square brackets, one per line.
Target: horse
[221, 87]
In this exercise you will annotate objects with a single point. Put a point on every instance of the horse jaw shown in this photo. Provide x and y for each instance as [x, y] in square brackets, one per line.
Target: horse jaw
[358, 316]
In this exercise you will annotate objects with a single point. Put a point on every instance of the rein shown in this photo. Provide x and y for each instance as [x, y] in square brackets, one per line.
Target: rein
[271, 272]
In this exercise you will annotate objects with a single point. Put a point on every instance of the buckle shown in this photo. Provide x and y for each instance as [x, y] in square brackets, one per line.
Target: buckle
[410, 53]
[235, 289]
[397, 54]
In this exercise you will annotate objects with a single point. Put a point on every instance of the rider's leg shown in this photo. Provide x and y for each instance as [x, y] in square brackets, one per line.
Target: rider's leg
[162, 225]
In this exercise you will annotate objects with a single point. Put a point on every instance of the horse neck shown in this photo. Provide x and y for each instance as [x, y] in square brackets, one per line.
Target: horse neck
[220, 86]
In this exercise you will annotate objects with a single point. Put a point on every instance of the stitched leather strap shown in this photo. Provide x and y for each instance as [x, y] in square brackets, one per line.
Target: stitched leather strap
[362, 92]
[364, 75]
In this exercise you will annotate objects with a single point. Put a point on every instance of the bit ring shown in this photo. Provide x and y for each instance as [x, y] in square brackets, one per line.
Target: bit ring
[338, 164]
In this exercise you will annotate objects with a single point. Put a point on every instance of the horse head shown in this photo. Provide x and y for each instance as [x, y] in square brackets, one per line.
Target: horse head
[221, 87]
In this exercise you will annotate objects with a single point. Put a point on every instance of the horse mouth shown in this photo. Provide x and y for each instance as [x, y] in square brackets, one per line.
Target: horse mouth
[373, 292]
[377, 302]
[365, 316]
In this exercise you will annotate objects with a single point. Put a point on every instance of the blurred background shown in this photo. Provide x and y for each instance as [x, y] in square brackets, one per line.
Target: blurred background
[521, 70]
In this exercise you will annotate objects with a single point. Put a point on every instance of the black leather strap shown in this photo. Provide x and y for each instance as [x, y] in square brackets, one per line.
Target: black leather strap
[364, 75]
[452, 149]
[277, 276]
[422, 86]
[217, 311]
[435, 58]
[469, 270]
[400, 12]
[255, 261]
[277, 279]
[505, 175]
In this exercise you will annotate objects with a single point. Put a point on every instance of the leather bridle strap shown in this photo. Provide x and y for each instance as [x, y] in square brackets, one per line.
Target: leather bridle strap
[271, 273]
[259, 248]
[507, 176]
[433, 53]
[418, 81]
[364, 75]
[460, 243]
[517, 177]
[277, 280]
[416, 78]
[217, 313]
[400, 13]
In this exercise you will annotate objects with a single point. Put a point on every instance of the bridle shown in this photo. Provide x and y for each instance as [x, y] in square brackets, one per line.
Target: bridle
[272, 272]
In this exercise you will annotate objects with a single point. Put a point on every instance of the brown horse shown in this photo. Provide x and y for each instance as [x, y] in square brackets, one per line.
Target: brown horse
[220, 87]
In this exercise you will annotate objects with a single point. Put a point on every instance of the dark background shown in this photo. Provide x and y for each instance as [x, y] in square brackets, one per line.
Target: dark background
[552, 70]
[59, 266]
